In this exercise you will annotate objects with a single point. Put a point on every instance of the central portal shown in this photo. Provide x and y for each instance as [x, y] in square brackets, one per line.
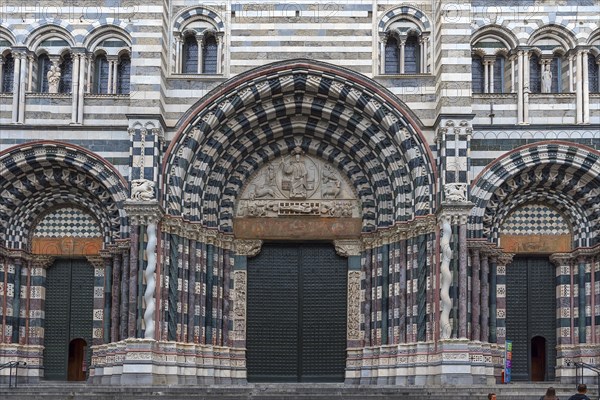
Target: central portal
[296, 328]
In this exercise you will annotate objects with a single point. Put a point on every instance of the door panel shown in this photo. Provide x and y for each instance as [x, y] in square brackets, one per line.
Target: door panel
[530, 312]
[296, 328]
[68, 313]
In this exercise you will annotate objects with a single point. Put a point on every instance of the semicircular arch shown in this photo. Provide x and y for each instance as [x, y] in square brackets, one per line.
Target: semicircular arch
[41, 175]
[564, 174]
[330, 112]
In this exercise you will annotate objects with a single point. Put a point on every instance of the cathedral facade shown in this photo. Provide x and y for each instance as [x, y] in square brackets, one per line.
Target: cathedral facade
[385, 192]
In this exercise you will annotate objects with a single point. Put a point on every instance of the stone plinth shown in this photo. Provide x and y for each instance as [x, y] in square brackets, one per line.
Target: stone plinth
[450, 362]
[150, 362]
[32, 372]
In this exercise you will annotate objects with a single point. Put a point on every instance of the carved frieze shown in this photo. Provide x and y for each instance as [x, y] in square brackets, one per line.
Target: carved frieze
[298, 185]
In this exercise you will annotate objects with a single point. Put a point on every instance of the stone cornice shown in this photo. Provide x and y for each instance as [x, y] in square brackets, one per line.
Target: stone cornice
[195, 231]
[576, 255]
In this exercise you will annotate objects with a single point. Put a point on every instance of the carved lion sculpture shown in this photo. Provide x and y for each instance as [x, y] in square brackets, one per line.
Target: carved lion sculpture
[142, 189]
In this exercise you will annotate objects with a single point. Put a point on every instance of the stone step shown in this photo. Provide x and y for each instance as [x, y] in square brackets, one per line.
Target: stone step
[71, 391]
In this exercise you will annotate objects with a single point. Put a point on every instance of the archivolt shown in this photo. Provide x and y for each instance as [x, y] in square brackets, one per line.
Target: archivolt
[330, 112]
[41, 175]
[564, 175]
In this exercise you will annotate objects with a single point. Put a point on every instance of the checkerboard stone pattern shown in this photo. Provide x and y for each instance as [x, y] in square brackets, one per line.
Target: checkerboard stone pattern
[67, 221]
[535, 219]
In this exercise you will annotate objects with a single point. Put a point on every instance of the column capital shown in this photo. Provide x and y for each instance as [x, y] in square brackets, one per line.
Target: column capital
[143, 212]
[347, 248]
[248, 248]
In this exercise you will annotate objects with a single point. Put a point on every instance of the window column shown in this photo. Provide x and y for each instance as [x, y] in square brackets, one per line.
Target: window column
[81, 89]
[90, 80]
[178, 48]
[382, 42]
[1, 73]
[571, 76]
[17, 57]
[112, 74]
[200, 41]
[401, 44]
[579, 86]
[521, 88]
[512, 73]
[423, 41]
[586, 87]
[526, 92]
[75, 87]
[219, 37]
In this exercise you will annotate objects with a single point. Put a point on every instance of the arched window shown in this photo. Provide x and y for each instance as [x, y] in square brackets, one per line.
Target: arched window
[190, 55]
[392, 56]
[43, 66]
[209, 55]
[7, 71]
[123, 74]
[535, 83]
[66, 74]
[499, 67]
[100, 75]
[593, 72]
[477, 76]
[412, 55]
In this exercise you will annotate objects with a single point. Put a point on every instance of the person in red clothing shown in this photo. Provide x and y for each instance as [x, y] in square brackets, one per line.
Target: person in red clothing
[581, 391]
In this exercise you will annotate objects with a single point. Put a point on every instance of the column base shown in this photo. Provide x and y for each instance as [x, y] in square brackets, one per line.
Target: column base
[568, 355]
[150, 362]
[449, 362]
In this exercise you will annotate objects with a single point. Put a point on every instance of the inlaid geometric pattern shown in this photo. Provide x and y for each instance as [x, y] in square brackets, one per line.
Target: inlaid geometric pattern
[42, 175]
[534, 219]
[330, 112]
[562, 175]
[67, 221]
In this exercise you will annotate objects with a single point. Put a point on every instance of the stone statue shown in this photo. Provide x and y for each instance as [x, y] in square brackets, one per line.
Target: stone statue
[331, 183]
[455, 192]
[142, 190]
[546, 79]
[299, 174]
[53, 78]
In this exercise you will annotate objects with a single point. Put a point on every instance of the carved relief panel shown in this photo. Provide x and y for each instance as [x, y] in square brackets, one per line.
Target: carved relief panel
[298, 185]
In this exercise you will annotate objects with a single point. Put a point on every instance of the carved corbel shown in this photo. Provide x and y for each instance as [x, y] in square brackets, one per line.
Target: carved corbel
[347, 248]
[248, 248]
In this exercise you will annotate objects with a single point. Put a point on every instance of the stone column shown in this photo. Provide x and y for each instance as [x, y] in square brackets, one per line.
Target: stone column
[30, 60]
[521, 88]
[178, 45]
[17, 57]
[571, 76]
[581, 303]
[486, 76]
[81, 89]
[75, 87]
[579, 87]
[512, 73]
[1, 74]
[503, 260]
[491, 67]
[585, 88]
[145, 214]
[476, 305]
[401, 44]
[220, 38]
[90, 79]
[382, 41]
[526, 88]
[200, 42]
[425, 54]
[485, 298]
[111, 72]
[39, 265]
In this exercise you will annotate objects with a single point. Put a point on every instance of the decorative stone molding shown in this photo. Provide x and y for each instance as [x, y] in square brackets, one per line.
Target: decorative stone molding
[195, 231]
[143, 212]
[347, 248]
[298, 185]
[354, 301]
[248, 248]
[239, 305]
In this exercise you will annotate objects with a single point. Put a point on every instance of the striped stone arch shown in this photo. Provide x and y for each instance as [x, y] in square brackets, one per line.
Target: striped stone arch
[503, 35]
[192, 12]
[63, 28]
[106, 25]
[563, 35]
[560, 174]
[38, 176]
[403, 11]
[332, 113]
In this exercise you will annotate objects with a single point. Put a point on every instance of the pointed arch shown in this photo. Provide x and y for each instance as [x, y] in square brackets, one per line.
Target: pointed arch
[562, 174]
[47, 174]
[330, 112]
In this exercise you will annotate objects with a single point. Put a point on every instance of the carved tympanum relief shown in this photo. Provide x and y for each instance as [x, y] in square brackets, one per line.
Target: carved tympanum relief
[298, 185]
